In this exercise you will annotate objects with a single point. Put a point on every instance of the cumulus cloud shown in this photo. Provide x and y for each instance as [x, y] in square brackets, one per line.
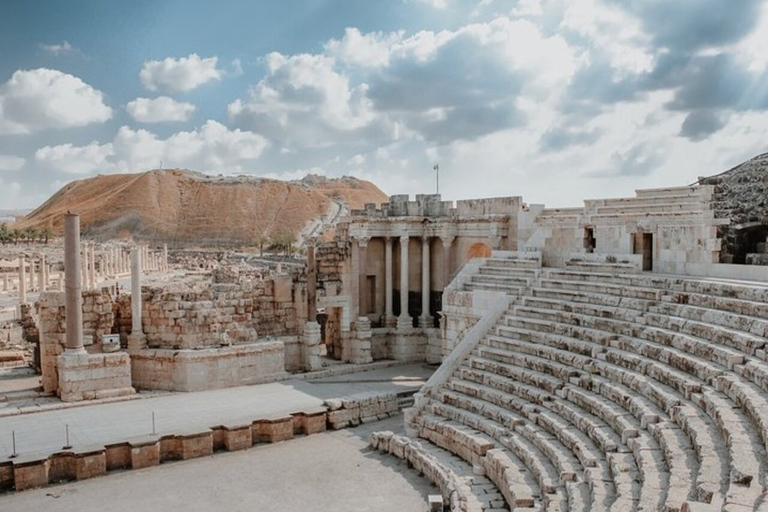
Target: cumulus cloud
[212, 147]
[156, 110]
[179, 75]
[57, 49]
[700, 124]
[437, 4]
[45, 98]
[11, 162]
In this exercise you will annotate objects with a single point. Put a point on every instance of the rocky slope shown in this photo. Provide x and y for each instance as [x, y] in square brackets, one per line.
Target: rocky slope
[741, 195]
[185, 207]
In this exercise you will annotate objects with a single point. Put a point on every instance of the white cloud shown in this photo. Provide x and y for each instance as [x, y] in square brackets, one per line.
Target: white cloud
[212, 147]
[45, 98]
[179, 75]
[156, 110]
[11, 162]
[366, 50]
[57, 49]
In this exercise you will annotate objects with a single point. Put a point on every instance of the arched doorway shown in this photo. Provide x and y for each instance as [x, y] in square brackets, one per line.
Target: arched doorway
[479, 250]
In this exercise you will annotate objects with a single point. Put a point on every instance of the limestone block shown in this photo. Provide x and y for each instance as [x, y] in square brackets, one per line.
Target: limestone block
[273, 430]
[196, 444]
[145, 452]
[237, 437]
[89, 464]
[309, 422]
[30, 474]
[117, 456]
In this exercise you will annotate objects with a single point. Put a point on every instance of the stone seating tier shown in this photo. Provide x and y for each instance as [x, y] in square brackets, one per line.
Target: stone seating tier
[615, 392]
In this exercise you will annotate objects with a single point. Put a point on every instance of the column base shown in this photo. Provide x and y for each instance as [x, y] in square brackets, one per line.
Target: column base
[136, 342]
[390, 321]
[426, 322]
[311, 346]
[404, 322]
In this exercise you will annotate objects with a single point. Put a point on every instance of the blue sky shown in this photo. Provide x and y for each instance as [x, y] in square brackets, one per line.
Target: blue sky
[554, 100]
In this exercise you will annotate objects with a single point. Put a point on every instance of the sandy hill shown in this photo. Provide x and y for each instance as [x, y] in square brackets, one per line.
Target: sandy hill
[191, 208]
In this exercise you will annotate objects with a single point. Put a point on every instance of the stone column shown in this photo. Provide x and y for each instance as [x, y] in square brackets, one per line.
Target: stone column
[83, 267]
[92, 265]
[31, 273]
[404, 320]
[425, 320]
[447, 241]
[5, 282]
[73, 286]
[362, 265]
[389, 318]
[136, 340]
[22, 280]
[311, 283]
[165, 257]
[41, 275]
[46, 275]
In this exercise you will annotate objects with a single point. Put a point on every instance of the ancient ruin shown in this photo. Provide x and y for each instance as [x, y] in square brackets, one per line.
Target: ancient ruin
[608, 357]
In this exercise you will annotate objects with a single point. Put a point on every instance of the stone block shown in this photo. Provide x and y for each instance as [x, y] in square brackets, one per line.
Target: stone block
[61, 467]
[89, 464]
[30, 474]
[238, 437]
[6, 475]
[145, 453]
[197, 444]
[273, 430]
[309, 422]
[117, 456]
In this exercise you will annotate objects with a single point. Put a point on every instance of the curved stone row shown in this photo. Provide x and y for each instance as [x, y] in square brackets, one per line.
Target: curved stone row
[616, 392]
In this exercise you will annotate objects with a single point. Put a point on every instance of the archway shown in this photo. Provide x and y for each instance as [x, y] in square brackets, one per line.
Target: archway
[479, 250]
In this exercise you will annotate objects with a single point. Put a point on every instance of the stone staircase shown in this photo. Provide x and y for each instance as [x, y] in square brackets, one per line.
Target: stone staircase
[610, 392]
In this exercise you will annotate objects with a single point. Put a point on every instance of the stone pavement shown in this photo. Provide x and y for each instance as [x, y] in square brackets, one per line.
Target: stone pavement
[331, 471]
[98, 424]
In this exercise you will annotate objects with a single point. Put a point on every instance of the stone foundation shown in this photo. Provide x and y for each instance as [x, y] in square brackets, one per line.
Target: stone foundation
[84, 376]
[212, 368]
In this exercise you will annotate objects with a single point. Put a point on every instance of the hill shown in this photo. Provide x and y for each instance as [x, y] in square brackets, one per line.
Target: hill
[186, 207]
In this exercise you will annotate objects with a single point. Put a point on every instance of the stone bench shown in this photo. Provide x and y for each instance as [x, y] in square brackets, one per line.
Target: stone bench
[734, 321]
[516, 281]
[528, 273]
[644, 208]
[603, 288]
[504, 288]
[597, 298]
[463, 490]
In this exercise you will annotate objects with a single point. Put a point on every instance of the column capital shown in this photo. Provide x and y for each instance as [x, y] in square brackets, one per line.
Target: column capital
[388, 240]
[425, 238]
[404, 239]
[362, 241]
[447, 240]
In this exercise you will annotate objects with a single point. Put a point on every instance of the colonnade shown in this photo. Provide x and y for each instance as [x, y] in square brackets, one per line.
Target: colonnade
[404, 320]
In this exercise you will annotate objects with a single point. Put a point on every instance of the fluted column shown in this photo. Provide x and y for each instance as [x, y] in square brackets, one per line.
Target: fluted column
[425, 320]
[136, 340]
[31, 273]
[404, 320]
[389, 317]
[73, 285]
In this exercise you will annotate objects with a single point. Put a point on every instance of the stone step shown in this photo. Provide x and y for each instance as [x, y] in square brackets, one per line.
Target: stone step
[498, 279]
[658, 208]
[497, 287]
[603, 288]
[530, 273]
[516, 263]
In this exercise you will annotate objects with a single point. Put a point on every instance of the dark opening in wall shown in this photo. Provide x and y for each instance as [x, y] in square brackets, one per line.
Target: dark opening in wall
[590, 243]
[749, 240]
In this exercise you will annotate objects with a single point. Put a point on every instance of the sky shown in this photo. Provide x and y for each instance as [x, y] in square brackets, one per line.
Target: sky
[555, 101]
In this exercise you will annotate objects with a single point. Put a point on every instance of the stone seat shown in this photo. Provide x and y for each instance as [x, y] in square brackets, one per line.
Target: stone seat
[653, 386]
[503, 288]
[676, 217]
[452, 475]
[645, 208]
[603, 288]
[745, 323]
[490, 270]
[670, 199]
[517, 263]
[508, 280]
[597, 298]
[519, 486]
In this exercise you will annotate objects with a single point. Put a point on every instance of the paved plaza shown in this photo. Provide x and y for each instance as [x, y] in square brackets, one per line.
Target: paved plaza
[332, 471]
[105, 423]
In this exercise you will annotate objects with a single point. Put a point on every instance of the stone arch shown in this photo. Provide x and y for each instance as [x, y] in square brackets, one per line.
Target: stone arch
[479, 250]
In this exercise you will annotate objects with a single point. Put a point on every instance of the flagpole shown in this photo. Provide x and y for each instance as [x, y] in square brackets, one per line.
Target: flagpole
[436, 168]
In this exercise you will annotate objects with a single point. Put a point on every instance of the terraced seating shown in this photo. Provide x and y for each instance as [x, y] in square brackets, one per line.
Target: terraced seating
[603, 391]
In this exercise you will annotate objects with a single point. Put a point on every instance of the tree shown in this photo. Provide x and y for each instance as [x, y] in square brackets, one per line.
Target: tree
[261, 242]
[46, 234]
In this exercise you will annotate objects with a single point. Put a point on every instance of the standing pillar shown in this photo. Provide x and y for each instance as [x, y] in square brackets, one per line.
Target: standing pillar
[46, 275]
[311, 281]
[136, 340]
[92, 265]
[73, 285]
[446, 261]
[362, 265]
[41, 275]
[165, 257]
[5, 282]
[425, 320]
[389, 318]
[31, 273]
[22, 280]
[404, 320]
